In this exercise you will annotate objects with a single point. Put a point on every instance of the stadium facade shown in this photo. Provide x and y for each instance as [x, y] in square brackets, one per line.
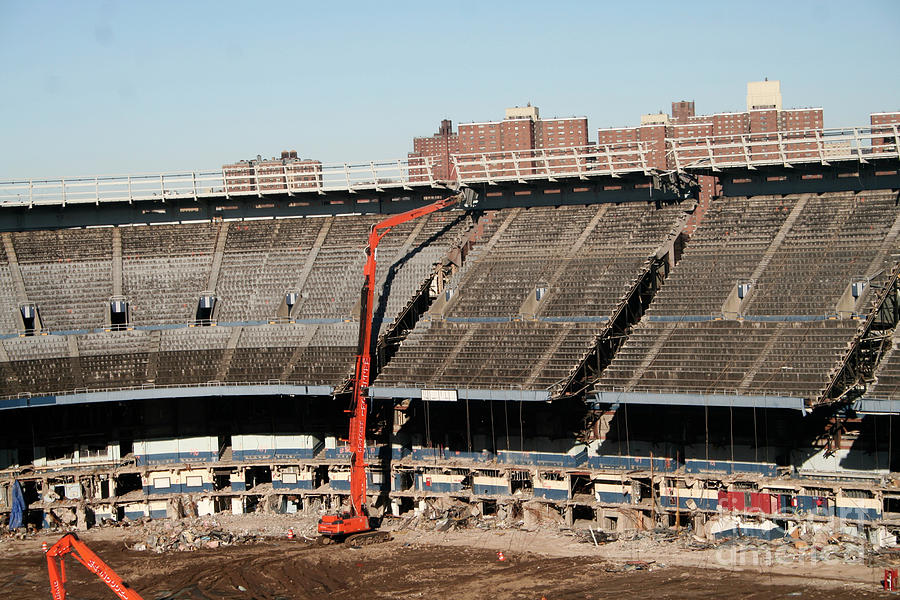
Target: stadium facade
[575, 340]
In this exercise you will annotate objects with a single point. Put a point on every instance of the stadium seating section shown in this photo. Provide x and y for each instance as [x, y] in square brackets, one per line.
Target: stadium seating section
[802, 252]
[585, 259]
[538, 288]
[887, 377]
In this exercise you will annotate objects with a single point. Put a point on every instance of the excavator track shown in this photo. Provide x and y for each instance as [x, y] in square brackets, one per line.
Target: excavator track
[367, 538]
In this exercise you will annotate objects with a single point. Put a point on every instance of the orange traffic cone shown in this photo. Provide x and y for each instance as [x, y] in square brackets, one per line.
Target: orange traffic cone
[44, 547]
[291, 533]
[501, 557]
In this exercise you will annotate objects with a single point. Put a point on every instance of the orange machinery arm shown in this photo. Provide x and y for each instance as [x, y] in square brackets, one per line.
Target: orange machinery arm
[56, 565]
[361, 373]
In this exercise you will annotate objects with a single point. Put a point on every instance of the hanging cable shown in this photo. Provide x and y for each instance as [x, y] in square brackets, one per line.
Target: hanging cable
[627, 434]
[890, 440]
[521, 430]
[755, 442]
[493, 436]
[427, 425]
[468, 427]
[875, 428]
[706, 425]
[618, 432]
[731, 431]
[506, 423]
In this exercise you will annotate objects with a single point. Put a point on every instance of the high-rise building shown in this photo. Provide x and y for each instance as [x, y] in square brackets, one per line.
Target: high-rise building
[763, 95]
[764, 120]
[885, 126]
[522, 129]
[289, 172]
[682, 110]
[438, 147]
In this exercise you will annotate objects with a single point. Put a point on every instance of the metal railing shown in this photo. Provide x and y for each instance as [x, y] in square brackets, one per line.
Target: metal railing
[784, 148]
[240, 179]
[261, 178]
[549, 163]
[151, 386]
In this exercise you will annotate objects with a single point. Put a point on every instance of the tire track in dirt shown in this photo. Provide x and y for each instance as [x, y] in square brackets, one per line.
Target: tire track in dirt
[281, 570]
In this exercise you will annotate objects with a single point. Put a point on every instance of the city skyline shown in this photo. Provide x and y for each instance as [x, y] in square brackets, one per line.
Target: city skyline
[116, 88]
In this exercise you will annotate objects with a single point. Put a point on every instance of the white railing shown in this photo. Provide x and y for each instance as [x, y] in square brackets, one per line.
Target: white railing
[549, 163]
[784, 148]
[261, 178]
[241, 179]
[155, 386]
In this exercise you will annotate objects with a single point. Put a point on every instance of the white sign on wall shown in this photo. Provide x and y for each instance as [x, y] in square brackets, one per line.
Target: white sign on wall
[439, 396]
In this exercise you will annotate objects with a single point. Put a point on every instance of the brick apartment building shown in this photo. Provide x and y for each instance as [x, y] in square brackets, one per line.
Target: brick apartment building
[885, 124]
[762, 121]
[522, 129]
[439, 147]
[273, 174]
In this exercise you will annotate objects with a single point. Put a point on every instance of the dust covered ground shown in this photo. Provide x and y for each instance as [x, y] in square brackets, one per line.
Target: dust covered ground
[460, 564]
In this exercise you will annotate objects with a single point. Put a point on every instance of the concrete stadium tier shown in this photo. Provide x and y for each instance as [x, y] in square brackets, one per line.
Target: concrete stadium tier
[887, 377]
[769, 297]
[529, 302]
[252, 334]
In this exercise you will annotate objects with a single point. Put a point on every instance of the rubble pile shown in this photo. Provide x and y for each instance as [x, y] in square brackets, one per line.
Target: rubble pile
[190, 534]
[445, 514]
[763, 541]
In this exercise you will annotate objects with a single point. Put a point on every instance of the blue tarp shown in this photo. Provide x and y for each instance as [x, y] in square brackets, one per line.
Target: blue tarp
[18, 507]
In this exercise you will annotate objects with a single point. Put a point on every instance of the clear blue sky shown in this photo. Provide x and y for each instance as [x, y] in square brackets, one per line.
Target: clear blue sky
[126, 87]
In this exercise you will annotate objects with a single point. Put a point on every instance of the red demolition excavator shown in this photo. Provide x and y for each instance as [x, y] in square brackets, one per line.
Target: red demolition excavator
[354, 526]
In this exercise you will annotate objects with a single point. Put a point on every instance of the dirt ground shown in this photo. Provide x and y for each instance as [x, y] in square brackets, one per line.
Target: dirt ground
[429, 564]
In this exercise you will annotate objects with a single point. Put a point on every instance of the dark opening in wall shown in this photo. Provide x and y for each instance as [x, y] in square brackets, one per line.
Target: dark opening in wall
[321, 476]
[251, 502]
[126, 446]
[206, 306]
[221, 480]
[610, 523]
[642, 488]
[119, 313]
[224, 447]
[31, 318]
[128, 482]
[290, 301]
[30, 491]
[254, 476]
[406, 504]
[520, 480]
[60, 452]
[403, 480]
[581, 484]
[581, 512]
[105, 487]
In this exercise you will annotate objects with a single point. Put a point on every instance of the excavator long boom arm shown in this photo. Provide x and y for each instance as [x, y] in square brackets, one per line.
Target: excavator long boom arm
[362, 370]
[70, 544]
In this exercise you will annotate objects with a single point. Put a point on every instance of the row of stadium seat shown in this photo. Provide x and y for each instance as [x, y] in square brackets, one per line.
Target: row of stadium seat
[802, 275]
[586, 259]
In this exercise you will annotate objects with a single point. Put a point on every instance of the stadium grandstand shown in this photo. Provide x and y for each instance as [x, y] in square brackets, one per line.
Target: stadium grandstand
[571, 338]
